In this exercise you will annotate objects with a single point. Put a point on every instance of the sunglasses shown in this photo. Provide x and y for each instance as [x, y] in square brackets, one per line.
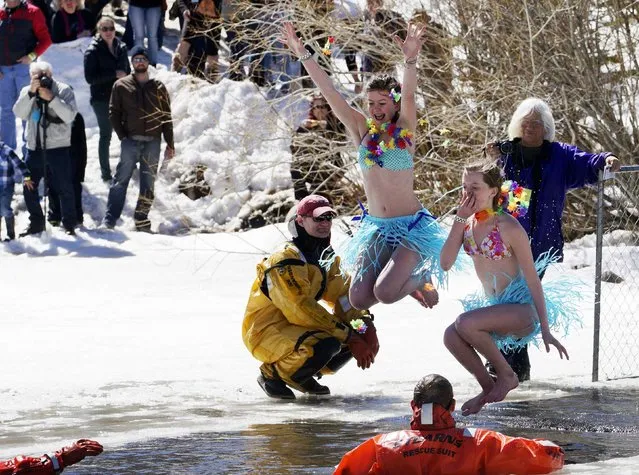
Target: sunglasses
[107, 28]
[139, 60]
[322, 106]
[322, 218]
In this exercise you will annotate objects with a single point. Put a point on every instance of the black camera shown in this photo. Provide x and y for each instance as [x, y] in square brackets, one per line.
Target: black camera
[45, 81]
[505, 147]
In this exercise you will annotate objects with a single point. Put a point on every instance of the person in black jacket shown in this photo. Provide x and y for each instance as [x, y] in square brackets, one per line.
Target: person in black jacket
[105, 61]
[78, 166]
[71, 21]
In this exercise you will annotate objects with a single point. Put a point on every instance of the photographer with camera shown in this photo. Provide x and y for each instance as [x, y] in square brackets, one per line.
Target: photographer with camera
[533, 159]
[49, 108]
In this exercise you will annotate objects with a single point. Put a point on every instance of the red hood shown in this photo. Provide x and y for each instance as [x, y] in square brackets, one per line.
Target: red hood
[442, 419]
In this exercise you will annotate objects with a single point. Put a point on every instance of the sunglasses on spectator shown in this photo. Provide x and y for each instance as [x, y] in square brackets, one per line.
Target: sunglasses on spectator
[319, 106]
[107, 28]
[139, 60]
[325, 217]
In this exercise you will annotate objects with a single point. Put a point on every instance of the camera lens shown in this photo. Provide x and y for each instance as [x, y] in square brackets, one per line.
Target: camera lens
[46, 82]
[506, 147]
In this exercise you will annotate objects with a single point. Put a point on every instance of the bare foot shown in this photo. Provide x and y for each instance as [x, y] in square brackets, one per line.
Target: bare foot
[474, 405]
[503, 385]
[427, 296]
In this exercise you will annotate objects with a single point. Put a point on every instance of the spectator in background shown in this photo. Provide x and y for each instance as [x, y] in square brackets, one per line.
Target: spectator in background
[23, 37]
[326, 14]
[382, 24]
[127, 36]
[46, 9]
[96, 7]
[140, 112]
[146, 17]
[313, 161]
[51, 464]
[105, 61]
[78, 167]
[71, 21]
[436, 55]
[58, 102]
[10, 165]
[201, 25]
[231, 18]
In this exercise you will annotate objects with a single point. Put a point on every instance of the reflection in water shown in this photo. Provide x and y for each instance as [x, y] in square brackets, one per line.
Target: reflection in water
[592, 425]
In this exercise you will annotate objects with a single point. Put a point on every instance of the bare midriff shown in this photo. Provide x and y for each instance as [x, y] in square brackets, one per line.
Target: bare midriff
[390, 193]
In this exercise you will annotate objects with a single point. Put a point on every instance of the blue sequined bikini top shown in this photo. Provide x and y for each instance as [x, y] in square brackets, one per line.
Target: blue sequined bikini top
[394, 159]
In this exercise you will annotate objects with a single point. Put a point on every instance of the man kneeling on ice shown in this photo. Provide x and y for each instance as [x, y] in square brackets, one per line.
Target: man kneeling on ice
[287, 328]
[434, 446]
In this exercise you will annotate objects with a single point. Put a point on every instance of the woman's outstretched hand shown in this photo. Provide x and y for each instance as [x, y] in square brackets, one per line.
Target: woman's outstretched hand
[551, 340]
[289, 37]
[412, 45]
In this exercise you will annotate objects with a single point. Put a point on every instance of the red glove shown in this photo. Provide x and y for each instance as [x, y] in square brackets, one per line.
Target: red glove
[370, 336]
[361, 351]
[79, 450]
[44, 465]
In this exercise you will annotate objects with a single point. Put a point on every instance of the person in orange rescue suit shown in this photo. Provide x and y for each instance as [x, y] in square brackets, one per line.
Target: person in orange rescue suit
[285, 325]
[434, 446]
[52, 463]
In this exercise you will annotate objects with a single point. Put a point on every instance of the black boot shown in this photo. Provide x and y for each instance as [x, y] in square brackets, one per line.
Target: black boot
[275, 388]
[323, 352]
[11, 230]
[311, 386]
[32, 230]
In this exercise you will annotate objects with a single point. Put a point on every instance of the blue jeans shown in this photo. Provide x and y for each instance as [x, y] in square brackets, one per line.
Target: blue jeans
[14, 78]
[101, 110]
[146, 21]
[127, 37]
[132, 152]
[6, 195]
[58, 176]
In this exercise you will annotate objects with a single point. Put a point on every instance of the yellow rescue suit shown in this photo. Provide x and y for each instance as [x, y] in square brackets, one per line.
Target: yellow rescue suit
[284, 319]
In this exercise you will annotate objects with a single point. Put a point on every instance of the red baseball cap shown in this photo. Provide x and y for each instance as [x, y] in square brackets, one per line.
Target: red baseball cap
[314, 206]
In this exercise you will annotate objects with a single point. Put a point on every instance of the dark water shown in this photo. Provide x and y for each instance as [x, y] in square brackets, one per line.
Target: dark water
[591, 425]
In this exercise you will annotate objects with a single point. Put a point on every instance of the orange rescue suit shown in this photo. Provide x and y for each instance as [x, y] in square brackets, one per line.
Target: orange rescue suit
[441, 449]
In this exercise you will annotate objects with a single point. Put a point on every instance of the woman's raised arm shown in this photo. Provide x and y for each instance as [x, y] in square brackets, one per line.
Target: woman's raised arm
[353, 120]
[410, 47]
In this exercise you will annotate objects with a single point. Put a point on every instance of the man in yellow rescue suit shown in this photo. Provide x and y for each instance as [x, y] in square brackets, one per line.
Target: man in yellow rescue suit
[285, 325]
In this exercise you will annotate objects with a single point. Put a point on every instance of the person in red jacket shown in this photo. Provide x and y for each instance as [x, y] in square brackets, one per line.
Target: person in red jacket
[434, 446]
[51, 464]
[23, 37]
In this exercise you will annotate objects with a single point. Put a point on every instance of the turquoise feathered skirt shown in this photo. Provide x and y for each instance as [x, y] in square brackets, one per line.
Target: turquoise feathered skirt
[369, 249]
[561, 295]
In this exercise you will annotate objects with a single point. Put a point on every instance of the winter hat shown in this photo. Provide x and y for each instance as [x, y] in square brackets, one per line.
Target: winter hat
[139, 51]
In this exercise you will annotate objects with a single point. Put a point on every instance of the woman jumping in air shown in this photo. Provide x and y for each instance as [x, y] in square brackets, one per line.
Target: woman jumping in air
[397, 245]
[512, 310]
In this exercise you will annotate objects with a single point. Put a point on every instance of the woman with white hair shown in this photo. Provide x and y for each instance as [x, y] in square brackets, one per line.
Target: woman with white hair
[71, 21]
[549, 169]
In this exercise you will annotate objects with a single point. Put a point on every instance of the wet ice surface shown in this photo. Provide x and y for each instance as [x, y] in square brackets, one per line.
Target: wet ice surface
[591, 425]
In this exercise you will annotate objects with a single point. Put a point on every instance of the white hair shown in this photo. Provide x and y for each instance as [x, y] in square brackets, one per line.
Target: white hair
[527, 107]
[40, 67]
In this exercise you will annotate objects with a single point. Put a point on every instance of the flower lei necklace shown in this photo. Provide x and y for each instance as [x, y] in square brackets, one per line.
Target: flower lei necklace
[400, 138]
[513, 199]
